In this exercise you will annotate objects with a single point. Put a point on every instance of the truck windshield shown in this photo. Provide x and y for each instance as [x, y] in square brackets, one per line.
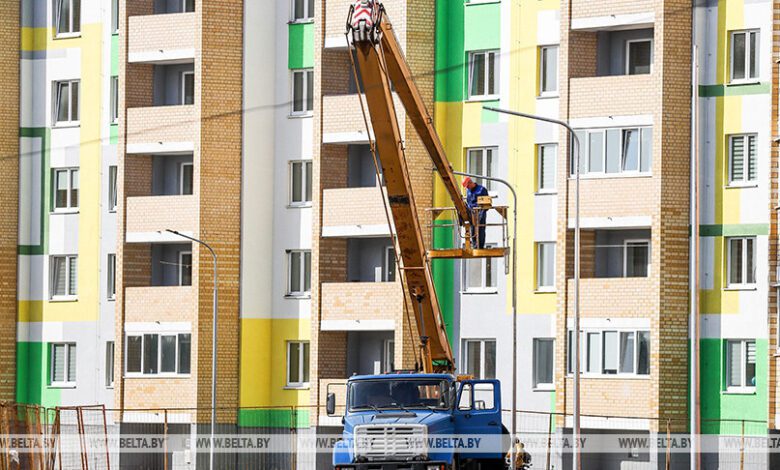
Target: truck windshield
[399, 394]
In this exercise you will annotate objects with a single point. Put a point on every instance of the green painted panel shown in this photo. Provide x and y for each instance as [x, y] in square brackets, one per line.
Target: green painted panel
[722, 413]
[449, 52]
[44, 134]
[489, 117]
[443, 271]
[733, 230]
[273, 418]
[708, 91]
[482, 29]
[113, 134]
[115, 55]
[300, 53]
[32, 375]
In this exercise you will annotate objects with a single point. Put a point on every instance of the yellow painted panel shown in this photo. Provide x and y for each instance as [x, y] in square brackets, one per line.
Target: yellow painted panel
[717, 300]
[731, 16]
[472, 125]
[447, 119]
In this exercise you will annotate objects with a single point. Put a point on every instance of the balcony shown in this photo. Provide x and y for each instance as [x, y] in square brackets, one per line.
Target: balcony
[353, 212]
[618, 95]
[616, 196]
[149, 215]
[361, 306]
[343, 122]
[162, 39]
[620, 12]
[160, 303]
[620, 297]
[161, 129]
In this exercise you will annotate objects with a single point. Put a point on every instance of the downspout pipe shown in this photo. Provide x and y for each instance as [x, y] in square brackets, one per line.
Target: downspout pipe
[694, 265]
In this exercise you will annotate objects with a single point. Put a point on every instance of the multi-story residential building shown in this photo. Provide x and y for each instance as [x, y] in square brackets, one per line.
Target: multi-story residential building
[66, 195]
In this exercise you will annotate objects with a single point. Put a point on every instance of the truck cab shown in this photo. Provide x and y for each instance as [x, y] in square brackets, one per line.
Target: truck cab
[420, 422]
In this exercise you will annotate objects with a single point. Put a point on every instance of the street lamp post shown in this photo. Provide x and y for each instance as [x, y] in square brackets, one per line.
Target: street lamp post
[213, 341]
[576, 346]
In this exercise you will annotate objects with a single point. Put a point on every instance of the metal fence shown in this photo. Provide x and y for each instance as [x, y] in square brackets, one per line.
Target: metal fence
[96, 438]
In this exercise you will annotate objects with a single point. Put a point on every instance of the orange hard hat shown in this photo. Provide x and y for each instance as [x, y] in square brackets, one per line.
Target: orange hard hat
[466, 182]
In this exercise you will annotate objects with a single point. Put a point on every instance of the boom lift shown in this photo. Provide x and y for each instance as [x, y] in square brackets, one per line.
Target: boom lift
[380, 61]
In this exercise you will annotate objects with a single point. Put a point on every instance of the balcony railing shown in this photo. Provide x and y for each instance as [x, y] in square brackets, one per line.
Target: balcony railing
[152, 214]
[353, 212]
[167, 38]
[618, 95]
[161, 129]
[366, 305]
[342, 121]
[160, 303]
[616, 296]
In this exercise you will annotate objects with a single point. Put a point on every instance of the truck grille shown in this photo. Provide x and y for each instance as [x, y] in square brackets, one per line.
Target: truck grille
[390, 442]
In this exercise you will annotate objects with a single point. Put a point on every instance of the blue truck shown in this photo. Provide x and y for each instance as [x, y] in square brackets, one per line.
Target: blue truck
[416, 421]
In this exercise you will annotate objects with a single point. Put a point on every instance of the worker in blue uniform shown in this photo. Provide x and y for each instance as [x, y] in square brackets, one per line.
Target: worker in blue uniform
[473, 191]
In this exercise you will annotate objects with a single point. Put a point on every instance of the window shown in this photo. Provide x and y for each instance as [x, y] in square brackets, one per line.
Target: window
[300, 183]
[66, 102]
[481, 161]
[187, 6]
[636, 258]
[639, 56]
[480, 275]
[115, 16]
[744, 56]
[299, 272]
[63, 365]
[483, 74]
[298, 364]
[615, 151]
[66, 189]
[479, 358]
[158, 354]
[740, 365]
[545, 274]
[63, 276]
[548, 70]
[67, 19]
[114, 100]
[113, 192]
[185, 268]
[109, 364]
[185, 178]
[303, 10]
[611, 352]
[388, 271]
[302, 92]
[741, 261]
[742, 159]
[547, 155]
[544, 350]
[187, 88]
[111, 271]
[388, 355]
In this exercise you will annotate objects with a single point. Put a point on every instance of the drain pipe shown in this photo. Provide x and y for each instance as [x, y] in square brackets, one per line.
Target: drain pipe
[694, 265]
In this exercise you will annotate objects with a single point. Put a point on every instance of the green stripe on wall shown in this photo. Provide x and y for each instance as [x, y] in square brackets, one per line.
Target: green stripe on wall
[32, 375]
[482, 26]
[300, 53]
[733, 230]
[115, 55]
[708, 91]
[45, 135]
[285, 418]
[444, 275]
[449, 51]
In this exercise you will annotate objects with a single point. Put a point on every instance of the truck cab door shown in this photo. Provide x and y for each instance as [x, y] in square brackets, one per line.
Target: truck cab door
[478, 412]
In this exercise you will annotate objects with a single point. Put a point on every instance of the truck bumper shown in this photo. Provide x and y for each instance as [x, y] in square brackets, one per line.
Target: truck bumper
[431, 465]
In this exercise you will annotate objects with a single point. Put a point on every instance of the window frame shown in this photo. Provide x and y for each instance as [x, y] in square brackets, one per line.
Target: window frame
[539, 250]
[184, 6]
[748, 51]
[183, 76]
[113, 189]
[621, 173]
[182, 165]
[746, 161]
[539, 385]
[388, 262]
[70, 347]
[496, 53]
[744, 271]
[303, 348]
[388, 355]
[114, 16]
[110, 362]
[308, 7]
[488, 157]
[181, 266]
[73, 22]
[304, 293]
[484, 288]
[626, 243]
[585, 334]
[308, 74]
[69, 260]
[539, 167]
[114, 103]
[111, 276]
[69, 208]
[159, 373]
[70, 122]
[542, 62]
[307, 167]
[466, 342]
[629, 42]
[743, 388]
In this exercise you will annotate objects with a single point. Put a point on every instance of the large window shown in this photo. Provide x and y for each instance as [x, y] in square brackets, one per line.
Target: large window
[740, 365]
[480, 275]
[742, 159]
[744, 56]
[639, 56]
[302, 92]
[109, 364]
[545, 272]
[636, 258]
[543, 361]
[298, 364]
[300, 183]
[483, 75]
[547, 155]
[741, 261]
[62, 365]
[615, 151]
[548, 70]
[114, 99]
[482, 161]
[302, 10]
[479, 358]
[63, 277]
[111, 276]
[611, 352]
[66, 189]
[67, 17]
[186, 178]
[298, 272]
[158, 354]
[113, 193]
[187, 87]
[66, 102]
[185, 268]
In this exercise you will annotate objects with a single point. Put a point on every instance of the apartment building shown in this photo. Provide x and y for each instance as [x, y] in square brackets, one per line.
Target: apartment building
[65, 172]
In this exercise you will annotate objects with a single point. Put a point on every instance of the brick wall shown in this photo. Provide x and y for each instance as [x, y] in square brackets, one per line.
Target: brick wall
[774, 361]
